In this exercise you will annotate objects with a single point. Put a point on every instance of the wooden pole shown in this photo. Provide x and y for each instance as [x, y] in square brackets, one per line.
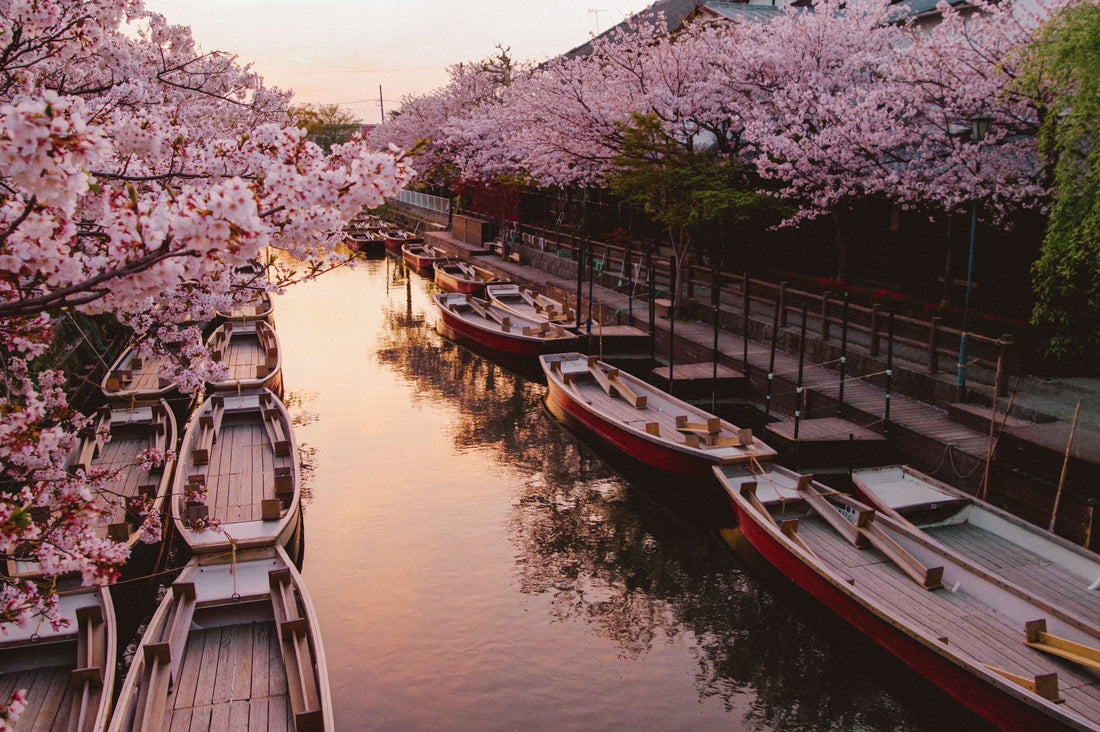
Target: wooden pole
[798, 390]
[716, 298]
[843, 355]
[652, 304]
[771, 359]
[746, 305]
[801, 366]
[889, 369]
[1065, 465]
[983, 489]
[672, 286]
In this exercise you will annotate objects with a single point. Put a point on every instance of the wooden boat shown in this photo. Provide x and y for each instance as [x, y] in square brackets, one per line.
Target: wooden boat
[525, 303]
[366, 241]
[394, 239]
[136, 378]
[250, 350]
[419, 256]
[1004, 544]
[642, 421]
[238, 469]
[233, 645]
[989, 644]
[454, 275]
[467, 318]
[68, 674]
[365, 222]
[256, 305]
[133, 430]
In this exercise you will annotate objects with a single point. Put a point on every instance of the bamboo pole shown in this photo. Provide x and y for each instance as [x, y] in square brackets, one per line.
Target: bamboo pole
[1065, 465]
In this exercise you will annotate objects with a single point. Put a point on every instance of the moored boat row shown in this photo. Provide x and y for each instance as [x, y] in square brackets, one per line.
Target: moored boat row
[235, 500]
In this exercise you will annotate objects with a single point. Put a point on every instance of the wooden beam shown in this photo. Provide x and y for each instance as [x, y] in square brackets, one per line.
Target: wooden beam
[1038, 638]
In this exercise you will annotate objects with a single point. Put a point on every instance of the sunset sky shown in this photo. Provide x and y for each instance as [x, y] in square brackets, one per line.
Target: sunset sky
[341, 51]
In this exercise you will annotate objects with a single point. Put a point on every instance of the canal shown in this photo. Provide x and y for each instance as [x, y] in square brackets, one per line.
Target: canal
[476, 567]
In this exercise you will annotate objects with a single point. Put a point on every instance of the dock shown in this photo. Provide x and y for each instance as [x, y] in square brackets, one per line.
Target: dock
[1028, 454]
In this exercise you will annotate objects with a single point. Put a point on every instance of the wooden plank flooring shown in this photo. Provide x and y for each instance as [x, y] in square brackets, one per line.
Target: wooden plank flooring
[121, 454]
[243, 354]
[966, 623]
[232, 678]
[49, 696]
[241, 472]
[1022, 567]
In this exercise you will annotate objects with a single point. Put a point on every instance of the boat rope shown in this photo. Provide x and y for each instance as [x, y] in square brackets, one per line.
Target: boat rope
[960, 474]
[758, 471]
[233, 568]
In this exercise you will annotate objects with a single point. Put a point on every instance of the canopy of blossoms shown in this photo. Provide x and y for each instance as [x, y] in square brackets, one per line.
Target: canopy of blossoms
[136, 174]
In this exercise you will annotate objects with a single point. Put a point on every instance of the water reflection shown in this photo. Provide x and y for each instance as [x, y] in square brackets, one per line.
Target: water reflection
[610, 554]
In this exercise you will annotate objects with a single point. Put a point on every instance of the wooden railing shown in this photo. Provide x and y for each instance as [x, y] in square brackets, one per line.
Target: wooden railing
[927, 341]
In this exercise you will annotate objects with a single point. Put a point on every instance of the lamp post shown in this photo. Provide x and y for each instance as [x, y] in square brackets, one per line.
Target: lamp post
[979, 126]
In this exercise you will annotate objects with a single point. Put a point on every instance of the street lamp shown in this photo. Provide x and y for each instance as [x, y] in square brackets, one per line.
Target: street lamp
[979, 126]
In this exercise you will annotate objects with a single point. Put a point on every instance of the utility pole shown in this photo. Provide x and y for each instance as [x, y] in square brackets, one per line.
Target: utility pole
[596, 13]
[381, 109]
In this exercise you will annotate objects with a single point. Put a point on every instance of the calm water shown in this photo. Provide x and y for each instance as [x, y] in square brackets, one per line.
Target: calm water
[477, 567]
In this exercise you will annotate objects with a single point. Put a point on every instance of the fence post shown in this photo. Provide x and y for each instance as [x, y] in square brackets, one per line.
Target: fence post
[1000, 385]
[933, 355]
[781, 304]
[874, 329]
[825, 315]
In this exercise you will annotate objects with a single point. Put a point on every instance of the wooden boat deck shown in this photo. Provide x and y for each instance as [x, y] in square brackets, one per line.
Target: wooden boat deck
[68, 674]
[132, 432]
[957, 618]
[234, 645]
[249, 353]
[136, 376]
[49, 702]
[1022, 567]
[232, 678]
[241, 472]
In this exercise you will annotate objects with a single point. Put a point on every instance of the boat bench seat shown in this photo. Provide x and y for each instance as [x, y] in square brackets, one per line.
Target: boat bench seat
[118, 379]
[276, 434]
[269, 344]
[163, 657]
[1079, 653]
[209, 424]
[301, 677]
[614, 386]
[91, 648]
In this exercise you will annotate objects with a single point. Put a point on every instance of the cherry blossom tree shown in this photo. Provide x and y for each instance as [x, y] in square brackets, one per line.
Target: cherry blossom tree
[136, 175]
[422, 124]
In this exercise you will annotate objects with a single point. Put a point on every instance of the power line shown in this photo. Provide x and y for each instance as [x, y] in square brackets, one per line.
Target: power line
[353, 71]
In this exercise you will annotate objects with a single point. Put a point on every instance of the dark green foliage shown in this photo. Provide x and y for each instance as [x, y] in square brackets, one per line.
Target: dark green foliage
[1066, 276]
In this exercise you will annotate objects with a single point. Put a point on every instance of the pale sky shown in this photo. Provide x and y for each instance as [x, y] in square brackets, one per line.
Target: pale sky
[340, 51]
